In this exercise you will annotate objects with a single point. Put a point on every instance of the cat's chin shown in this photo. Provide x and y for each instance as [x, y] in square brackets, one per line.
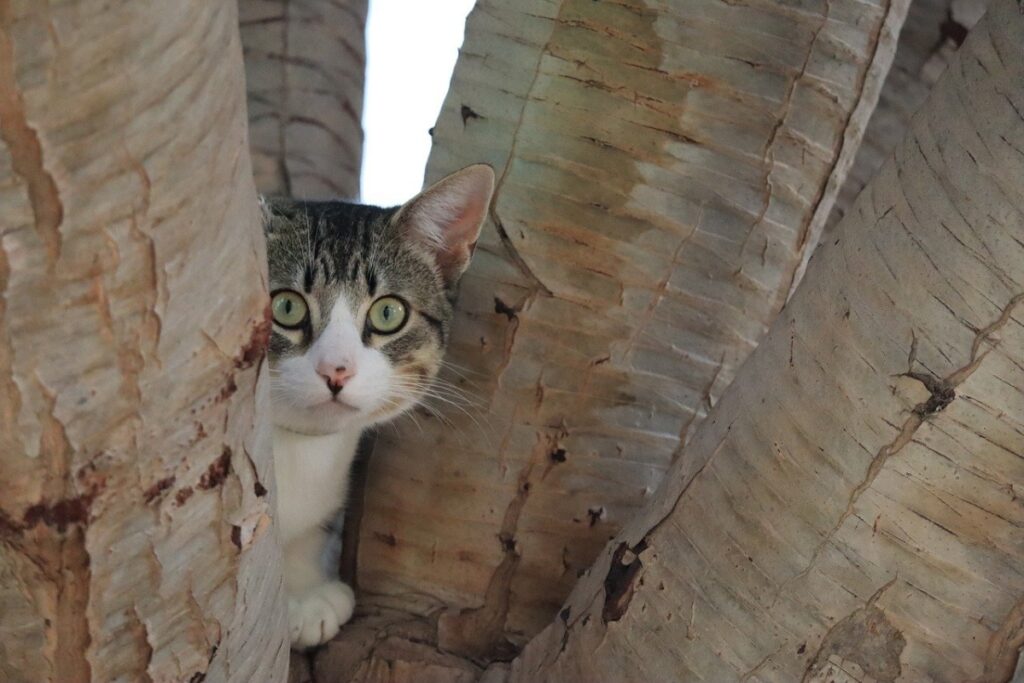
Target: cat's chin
[338, 406]
[331, 416]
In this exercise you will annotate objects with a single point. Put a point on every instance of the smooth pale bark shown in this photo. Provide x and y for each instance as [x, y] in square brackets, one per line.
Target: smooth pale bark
[852, 509]
[304, 63]
[933, 31]
[135, 535]
[664, 171]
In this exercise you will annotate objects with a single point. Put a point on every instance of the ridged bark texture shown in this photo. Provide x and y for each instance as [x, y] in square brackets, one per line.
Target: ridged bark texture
[852, 509]
[664, 172]
[135, 538]
[304, 64]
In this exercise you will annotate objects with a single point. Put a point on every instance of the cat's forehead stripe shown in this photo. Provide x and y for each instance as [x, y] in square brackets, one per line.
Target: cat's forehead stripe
[340, 253]
[307, 278]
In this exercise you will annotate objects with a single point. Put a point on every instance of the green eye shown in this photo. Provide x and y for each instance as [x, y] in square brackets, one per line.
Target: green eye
[387, 315]
[289, 308]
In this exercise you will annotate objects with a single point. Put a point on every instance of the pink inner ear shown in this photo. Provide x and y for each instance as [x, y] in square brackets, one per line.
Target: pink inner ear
[447, 217]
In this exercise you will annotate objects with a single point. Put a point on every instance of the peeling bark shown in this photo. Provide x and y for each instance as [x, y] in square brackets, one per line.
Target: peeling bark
[133, 542]
[304, 62]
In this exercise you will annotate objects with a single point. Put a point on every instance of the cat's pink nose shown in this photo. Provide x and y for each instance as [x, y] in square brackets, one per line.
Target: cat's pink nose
[336, 376]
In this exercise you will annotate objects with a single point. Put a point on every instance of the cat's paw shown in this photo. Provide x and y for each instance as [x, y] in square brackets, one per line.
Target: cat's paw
[316, 614]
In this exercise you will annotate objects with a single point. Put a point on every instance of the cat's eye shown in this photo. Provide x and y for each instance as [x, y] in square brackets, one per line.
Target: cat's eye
[387, 315]
[289, 308]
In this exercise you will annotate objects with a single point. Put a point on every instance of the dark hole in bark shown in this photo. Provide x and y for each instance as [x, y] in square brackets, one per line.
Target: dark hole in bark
[618, 584]
[467, 114]
[504, 309]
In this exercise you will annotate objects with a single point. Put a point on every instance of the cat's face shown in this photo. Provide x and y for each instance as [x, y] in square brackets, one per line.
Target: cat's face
[362, 300]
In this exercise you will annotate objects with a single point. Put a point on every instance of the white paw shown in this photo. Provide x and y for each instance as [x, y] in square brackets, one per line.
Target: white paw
[316, 614]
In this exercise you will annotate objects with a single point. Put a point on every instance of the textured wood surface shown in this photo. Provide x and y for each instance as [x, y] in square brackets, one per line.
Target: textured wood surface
[304, 64]
[933, 31]
[853, 504]
[664, 171]
[135, 538]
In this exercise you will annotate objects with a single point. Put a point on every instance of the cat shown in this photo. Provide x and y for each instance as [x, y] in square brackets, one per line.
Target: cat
[362, 300]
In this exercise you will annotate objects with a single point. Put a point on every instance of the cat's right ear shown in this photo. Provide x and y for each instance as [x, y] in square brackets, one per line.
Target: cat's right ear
[447, 216]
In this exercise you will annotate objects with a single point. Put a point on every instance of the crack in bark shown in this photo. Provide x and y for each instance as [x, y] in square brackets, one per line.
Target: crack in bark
[1006, 634]
[153, 325]
[780, 121]
[757, 667]
[906, 434]
[72, 634]
[661, 288]
[942, 394]
[478, 633]
[506, 241]
[282, 133]
[63, 543]
[147, 640]
[513, 252]
[868, 94]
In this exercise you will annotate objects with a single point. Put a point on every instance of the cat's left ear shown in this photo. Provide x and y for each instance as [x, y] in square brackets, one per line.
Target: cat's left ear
[447, 216]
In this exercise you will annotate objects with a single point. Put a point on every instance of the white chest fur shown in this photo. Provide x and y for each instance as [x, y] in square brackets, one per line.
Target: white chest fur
[312, 477]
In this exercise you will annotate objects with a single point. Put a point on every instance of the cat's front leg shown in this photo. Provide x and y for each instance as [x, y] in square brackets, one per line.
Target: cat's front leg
[318, 605]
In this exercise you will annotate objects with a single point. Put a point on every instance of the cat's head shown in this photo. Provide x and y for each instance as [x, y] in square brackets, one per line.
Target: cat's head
[362, 300]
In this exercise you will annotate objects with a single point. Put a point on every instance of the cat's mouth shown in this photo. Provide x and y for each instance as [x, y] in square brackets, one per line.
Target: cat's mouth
[343, 404]
[338, 404]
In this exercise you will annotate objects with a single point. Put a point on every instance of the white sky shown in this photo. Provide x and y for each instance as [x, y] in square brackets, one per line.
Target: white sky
[411, 47]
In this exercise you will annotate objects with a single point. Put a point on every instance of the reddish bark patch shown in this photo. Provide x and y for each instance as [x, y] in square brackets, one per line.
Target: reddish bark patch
[217, 472]
[256, 347]
[154, 491]
[227, 390]
[183, 495]
[60, 514]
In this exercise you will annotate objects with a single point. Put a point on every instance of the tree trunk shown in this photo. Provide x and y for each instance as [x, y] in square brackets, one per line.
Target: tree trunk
[664, 173]
[852, 510]
[304, 64]
[135, 535]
